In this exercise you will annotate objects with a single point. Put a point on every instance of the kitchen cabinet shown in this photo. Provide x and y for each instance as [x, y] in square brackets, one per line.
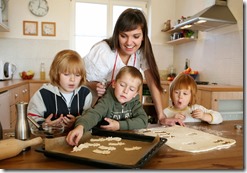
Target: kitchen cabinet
[4, 22]
[5, 111]
[18, 94]
[33, 87]
[228, 103]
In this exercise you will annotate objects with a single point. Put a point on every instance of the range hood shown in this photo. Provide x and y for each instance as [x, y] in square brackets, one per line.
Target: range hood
[216, 16]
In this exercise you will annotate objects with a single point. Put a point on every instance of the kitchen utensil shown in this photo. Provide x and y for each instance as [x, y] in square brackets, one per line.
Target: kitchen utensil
[12, 147]
[119, 158]
[22, 129]
[39, 127]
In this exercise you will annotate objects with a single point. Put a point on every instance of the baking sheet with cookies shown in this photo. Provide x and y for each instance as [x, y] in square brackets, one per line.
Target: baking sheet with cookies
[106, 149]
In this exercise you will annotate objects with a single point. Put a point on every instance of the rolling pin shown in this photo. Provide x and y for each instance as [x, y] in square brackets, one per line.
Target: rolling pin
[12, 147]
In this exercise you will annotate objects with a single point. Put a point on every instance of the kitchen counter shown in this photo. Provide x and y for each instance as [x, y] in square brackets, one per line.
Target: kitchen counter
[9, 84]
[211, 87]
[166, 158]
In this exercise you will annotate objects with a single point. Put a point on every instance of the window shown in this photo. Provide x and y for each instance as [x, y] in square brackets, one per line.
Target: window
[95, 20]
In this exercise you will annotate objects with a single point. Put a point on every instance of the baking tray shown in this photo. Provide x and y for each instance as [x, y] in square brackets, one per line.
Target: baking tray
[119, 158]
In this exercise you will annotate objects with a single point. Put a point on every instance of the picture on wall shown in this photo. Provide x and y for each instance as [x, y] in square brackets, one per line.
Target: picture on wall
[48, 28]
[30, 28]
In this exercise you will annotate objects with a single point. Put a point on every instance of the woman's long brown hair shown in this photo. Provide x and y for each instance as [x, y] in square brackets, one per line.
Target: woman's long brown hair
[129, 20]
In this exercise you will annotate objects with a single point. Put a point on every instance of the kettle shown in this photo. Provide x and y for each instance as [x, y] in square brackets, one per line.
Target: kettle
[7, 70]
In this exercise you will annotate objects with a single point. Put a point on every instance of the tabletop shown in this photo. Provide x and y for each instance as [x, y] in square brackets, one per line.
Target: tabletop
[166, 158]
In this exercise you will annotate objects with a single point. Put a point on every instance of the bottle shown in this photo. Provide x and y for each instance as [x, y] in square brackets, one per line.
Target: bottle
[42, 71]
[12, 147]
[186, 64]
[22, 129]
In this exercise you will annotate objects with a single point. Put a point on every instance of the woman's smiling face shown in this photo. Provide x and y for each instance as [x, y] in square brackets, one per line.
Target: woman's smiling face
[130, 41]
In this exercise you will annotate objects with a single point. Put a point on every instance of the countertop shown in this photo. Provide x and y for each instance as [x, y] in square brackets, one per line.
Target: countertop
[9, 84]
[166, 158]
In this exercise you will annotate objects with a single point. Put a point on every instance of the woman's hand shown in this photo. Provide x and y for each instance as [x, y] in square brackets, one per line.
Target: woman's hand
[101, 89]
[113, 125]
[75, 135]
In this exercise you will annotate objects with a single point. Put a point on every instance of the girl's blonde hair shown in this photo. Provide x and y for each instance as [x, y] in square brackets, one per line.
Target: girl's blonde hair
[67, 61]
[184, 81]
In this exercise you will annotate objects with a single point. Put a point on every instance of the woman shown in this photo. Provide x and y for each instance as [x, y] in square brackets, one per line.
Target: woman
[129, 45]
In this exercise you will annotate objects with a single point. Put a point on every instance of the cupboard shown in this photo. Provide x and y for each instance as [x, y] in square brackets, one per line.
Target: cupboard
[4, 16]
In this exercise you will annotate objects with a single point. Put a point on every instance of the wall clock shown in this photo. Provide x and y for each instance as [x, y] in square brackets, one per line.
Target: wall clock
[38, 7]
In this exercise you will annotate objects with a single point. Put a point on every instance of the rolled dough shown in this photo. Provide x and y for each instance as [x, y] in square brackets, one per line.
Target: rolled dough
[188, 139]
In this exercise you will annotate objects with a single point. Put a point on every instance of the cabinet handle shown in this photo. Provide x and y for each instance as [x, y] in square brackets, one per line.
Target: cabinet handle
[165, 91]
[16, 95]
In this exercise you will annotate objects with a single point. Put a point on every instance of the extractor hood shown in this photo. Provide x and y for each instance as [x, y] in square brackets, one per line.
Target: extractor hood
[218, 15]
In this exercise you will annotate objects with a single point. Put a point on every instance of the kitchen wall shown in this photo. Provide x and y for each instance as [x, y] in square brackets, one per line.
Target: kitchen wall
[218, 54]
[211, 55]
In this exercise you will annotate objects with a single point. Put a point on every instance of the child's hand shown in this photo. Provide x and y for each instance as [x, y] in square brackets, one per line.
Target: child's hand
[198, 113]
[113, 125]
[68, 121]
[75, 135]
[179, 116]
[54, 122]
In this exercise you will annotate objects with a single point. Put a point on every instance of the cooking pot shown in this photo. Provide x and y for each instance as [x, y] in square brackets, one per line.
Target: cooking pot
[7, 70]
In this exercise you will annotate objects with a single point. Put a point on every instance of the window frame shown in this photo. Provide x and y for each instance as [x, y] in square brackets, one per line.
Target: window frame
[144, 4]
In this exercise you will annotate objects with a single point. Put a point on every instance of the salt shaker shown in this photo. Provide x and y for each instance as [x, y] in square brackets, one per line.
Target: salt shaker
[22, 129]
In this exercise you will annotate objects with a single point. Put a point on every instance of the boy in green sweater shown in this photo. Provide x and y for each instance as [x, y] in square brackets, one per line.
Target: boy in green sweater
[120, 107]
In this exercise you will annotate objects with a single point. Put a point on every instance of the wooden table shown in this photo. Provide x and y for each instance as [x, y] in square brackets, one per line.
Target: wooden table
[166, 158]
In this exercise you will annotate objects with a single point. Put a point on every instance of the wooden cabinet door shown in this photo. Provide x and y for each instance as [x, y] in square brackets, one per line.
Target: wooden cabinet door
[24, 93]
[5, 111]
[33, 87]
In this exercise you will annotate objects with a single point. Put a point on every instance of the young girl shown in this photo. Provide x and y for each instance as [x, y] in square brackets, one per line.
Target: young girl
[183, 95]
[120, 107]
[66, 96]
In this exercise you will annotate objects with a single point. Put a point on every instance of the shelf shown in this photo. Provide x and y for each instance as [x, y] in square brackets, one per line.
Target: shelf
[181, 41]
